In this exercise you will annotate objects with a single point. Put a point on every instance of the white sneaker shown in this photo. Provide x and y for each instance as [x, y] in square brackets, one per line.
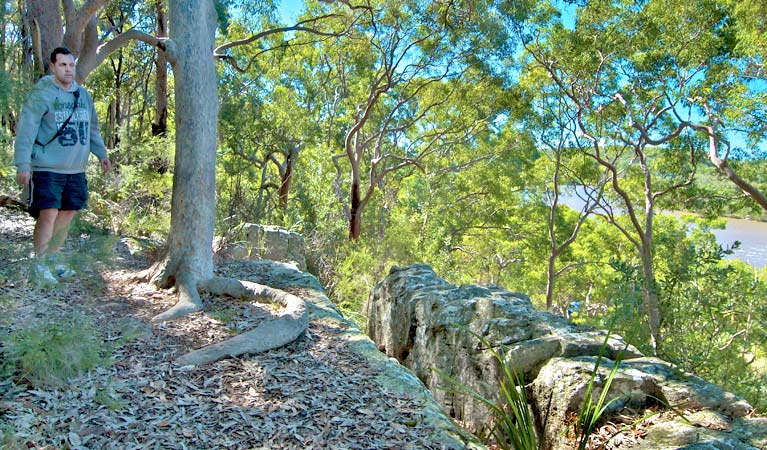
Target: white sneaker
[41, 276]
[63, 272]
[59, 269]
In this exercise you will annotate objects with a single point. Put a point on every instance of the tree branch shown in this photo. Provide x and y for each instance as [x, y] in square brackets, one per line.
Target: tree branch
[218, 51]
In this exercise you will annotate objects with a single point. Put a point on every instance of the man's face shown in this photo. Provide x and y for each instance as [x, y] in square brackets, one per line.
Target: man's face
[64, 69]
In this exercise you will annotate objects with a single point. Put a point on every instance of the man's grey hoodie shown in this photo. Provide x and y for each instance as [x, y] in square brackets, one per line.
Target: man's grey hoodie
[45, 110]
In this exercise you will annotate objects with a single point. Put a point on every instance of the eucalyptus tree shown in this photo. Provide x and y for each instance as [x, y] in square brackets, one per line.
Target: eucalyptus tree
[271, 112]
[626, 72]
[561, 168]
[392, 71]
[188, 263]
[52, 23]
[732, 101]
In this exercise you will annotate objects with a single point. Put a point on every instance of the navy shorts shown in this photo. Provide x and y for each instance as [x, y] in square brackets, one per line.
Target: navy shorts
[52, 190]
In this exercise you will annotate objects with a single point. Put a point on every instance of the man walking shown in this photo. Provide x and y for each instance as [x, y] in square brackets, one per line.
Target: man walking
[57, 130]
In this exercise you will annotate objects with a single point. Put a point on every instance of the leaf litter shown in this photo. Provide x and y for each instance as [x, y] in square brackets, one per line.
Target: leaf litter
[315, 393]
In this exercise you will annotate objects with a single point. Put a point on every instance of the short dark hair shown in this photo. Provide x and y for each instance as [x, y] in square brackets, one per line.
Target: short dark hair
[59, 51]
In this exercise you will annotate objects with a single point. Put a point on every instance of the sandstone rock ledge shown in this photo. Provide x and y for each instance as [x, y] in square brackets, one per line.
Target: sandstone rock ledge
[427, 324]
[392, 376]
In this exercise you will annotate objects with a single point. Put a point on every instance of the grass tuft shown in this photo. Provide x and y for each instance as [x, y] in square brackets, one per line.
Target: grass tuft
[48, 354]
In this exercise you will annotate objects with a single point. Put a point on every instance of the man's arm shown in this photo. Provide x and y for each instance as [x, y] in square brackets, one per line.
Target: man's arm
[97, 146]
[26, 132]
[23, 178]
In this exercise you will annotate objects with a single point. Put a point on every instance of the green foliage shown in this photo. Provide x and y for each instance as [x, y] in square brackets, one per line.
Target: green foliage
[354, 282]
[513, 425]
[105, 395]
[51, 353]
[222, 315]
[9, 440]
[712, 307]
[721, 310]
[8, 184]
[516, 428]
[350, 270]
[134, 198]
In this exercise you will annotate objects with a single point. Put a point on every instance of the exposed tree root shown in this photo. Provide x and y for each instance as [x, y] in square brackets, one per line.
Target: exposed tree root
[282, 329]
[188, 300]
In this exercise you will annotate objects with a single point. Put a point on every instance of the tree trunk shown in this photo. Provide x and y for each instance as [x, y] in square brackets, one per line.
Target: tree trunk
[650, 295]
[44, 17]
[160, 122]
[355, 212]
[189, 260]
[110, 136]
[115, 107]
[550, 279]
[287, 177]
[748, 188]
[194, 184]
[45, 25]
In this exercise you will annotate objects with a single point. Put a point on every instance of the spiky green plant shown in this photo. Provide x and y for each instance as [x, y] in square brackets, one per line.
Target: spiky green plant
[514, 427]
[591, 412]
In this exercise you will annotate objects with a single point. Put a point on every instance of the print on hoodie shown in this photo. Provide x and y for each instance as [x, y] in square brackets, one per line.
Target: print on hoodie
[69, 135]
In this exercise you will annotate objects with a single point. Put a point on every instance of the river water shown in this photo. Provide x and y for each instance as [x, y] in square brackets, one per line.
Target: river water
[753, 240]
[751, 234]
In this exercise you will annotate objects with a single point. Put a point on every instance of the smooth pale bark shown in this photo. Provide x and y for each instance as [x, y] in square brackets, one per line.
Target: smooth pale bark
[650, 295]
[284, 327]
[190, 254]
[714, 143]
[77, 30]
[189, 261]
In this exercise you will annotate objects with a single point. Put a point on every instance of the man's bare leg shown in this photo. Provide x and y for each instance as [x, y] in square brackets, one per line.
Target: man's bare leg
[60, 230]
[44, 230]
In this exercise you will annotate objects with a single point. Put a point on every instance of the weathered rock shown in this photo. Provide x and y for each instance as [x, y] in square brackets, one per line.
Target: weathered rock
[432, 327]
[704, 430]
[561, 385]
[752, 429]
[255, 241]
[688, 391]
[392, 377]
